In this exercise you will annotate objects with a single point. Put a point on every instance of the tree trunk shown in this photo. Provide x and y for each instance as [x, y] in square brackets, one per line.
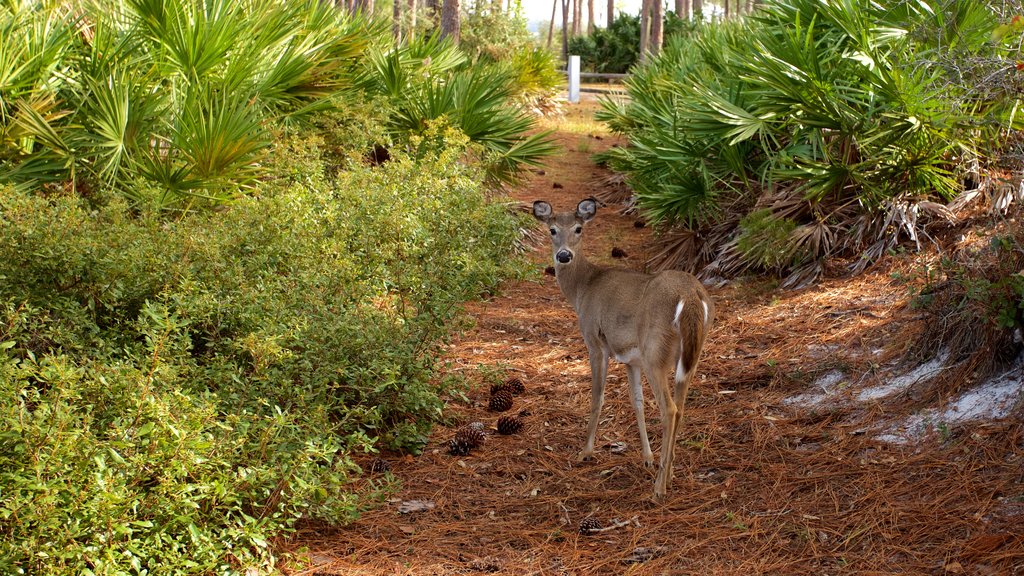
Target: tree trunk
[565, 31]
[396, 20]
[412, 19]
[657, 22]
[577, 16]
[698, 8]
[551, 25]
[590, 17]
[645, 29]
[450, 22]
[611, 13]
[725, 4]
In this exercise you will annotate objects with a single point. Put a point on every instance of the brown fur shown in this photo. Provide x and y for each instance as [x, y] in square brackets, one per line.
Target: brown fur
[630, 316]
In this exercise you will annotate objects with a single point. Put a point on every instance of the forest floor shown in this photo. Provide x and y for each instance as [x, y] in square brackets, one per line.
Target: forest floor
[766, 480]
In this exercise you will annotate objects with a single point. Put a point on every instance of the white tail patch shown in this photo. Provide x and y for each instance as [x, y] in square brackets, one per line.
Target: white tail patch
[679, 367]
[679, 310]
[705, 312]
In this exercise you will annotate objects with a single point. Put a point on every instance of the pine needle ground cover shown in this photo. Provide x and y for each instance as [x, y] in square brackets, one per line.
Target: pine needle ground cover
[762, 485]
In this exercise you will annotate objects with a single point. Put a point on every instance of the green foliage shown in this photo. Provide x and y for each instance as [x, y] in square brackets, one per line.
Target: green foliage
[176, 393]
[616, 49]
[830, 113]
[764, 239]
[535, 74]
[988, 285]
[429, 81]
[973, 302]
[493, 35]
[178, 96]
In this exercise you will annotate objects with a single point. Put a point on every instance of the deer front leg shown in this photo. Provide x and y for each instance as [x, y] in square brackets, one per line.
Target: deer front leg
[636, 397]
[598, 375]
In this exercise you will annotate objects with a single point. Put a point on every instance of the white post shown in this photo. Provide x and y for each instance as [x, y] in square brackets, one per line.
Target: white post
[574, 79]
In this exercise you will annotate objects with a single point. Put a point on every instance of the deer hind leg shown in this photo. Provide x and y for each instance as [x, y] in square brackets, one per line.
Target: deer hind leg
[686, 367]
[682, 388]
[658, 376]
[598, 377]
[636, 397]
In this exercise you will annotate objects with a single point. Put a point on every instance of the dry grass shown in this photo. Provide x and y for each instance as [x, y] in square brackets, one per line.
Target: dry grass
[760, 487]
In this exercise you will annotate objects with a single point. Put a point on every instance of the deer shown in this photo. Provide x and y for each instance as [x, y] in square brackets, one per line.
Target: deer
[654, 323]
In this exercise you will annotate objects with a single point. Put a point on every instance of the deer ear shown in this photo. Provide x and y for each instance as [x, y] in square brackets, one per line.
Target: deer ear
[586, 209]
[541, 210]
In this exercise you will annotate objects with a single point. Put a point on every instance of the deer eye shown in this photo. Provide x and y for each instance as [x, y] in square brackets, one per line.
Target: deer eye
[579, 229]
[554, 231]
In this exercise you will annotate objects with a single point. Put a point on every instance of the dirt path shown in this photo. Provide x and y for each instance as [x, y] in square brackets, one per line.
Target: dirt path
[761, 487]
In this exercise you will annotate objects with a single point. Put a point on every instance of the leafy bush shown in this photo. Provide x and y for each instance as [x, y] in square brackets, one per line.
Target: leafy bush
[176, 392]
[179, 96]
[493, 35]
[616, 49]
[823, 113]
[973, 302]
[535, 75]
[429, 80]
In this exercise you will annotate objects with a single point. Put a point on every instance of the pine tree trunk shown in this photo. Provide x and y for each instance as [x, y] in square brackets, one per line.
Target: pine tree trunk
[450, 23]
[645, 29]
[698, 8]
[412, 19]
[577, 17]
[590, 17]
[657, 22]
[551, 25]
[396, 20]
[565, 31]
[611, 13]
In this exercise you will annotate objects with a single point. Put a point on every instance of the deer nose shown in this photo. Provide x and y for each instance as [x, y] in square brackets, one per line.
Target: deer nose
[564, 256]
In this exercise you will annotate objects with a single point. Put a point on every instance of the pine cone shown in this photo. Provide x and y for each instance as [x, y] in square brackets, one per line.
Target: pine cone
[500, 402]
[512, 385]
[470, 436]
[589, 526]
[458, 447]
[380, 466]
[509, 425]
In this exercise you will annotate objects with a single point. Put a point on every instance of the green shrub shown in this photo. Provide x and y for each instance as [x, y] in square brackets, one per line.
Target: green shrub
[973, 303]
[829, 113]
[764, 240]
[535, 74]
[179, 96]
[174, 393]
[614, 49]
[493, 35]
[429, 81]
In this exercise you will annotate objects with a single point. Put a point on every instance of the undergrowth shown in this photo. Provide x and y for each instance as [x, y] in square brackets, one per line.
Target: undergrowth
[177, 391]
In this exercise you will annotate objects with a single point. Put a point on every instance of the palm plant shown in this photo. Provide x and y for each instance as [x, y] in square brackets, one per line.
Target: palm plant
[429, 79]
[168, 102]
[813, 111]
[34, 61]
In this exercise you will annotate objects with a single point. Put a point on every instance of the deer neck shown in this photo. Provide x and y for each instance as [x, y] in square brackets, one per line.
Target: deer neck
[574, 277]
